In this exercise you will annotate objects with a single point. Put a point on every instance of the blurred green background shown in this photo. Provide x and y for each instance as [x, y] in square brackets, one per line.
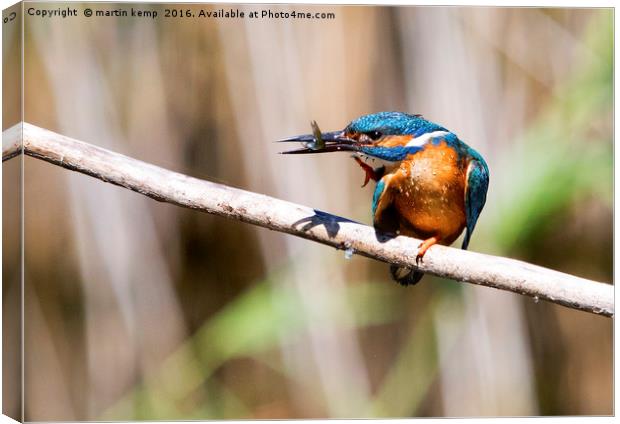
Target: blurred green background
[142, 310]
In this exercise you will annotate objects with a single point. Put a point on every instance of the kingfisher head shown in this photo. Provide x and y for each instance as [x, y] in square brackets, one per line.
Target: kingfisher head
[387, 124]
[389, 136]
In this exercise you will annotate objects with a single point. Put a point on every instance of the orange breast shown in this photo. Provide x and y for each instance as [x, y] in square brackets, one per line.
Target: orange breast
[429, 194]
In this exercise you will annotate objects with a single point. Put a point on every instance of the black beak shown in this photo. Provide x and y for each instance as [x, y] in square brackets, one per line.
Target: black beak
[335, 141]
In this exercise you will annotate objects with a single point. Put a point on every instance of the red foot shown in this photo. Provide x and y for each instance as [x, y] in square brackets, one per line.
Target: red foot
[370, 173]
[424, 247]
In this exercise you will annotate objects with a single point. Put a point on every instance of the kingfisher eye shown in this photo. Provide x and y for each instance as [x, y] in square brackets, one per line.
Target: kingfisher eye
[374, 135]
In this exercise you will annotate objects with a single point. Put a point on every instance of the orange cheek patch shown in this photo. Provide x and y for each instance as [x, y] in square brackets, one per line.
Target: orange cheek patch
[352, 135]
[394, 140]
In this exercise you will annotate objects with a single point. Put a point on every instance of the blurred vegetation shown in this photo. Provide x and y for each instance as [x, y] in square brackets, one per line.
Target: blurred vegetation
[145, 311]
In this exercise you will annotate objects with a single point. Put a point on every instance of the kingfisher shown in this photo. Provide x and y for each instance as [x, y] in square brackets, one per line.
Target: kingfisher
[430, 184]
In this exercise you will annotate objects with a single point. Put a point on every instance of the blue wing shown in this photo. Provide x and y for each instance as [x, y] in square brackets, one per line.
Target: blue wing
[379, 189]
[475, 195]
[383, 212]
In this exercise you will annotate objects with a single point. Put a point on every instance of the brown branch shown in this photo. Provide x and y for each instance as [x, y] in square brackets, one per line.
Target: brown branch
[279, 215]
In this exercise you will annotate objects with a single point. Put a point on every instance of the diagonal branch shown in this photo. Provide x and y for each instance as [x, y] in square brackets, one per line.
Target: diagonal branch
[279, 215]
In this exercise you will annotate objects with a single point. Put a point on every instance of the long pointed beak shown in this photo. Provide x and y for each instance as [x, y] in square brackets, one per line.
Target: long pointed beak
[330, 142]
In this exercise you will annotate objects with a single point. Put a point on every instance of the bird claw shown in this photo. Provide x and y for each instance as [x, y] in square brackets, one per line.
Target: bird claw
[423, 247]
[370, 173]
[366, 179]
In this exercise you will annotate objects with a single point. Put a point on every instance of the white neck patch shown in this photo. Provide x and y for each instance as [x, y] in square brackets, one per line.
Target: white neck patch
[376, 162]
[424, 138]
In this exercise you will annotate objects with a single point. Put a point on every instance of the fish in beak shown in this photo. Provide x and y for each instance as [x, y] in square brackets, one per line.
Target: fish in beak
[319, 142]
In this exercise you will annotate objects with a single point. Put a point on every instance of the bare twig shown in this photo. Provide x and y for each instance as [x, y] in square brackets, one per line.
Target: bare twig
[279, 215]
[11, 142]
